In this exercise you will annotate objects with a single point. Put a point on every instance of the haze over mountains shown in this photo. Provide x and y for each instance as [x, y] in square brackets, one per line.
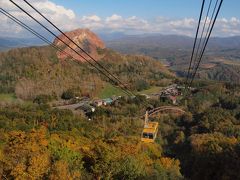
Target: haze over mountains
[168, 41]
[10, 43]
[117, 40]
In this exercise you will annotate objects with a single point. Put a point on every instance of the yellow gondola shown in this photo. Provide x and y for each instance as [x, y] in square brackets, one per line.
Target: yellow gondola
[150, 130]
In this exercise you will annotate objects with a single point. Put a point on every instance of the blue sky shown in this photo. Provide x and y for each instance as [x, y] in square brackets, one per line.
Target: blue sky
[146, 8]
[124, 16]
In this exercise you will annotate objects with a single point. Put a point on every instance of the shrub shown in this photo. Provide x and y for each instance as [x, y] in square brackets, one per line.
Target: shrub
[141, 85]
[69, 94]
[42, 99]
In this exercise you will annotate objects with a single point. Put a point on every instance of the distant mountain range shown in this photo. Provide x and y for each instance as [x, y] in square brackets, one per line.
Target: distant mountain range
[7, 43]
[176, 42]
[121, 42]
[10, 43]
[174, 48]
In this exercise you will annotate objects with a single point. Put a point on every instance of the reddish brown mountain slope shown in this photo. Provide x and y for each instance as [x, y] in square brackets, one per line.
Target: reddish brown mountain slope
[86, 39]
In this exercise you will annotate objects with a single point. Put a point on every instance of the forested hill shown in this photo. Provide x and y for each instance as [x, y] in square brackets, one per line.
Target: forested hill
[221, 61]
[37, 70]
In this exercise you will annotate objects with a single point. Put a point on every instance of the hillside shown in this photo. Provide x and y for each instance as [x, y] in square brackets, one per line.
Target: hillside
[28, 72]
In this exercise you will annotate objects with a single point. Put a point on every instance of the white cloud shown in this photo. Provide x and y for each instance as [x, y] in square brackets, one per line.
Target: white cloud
[54, 12]
[114, 17]
[91, 18]
[234, 21]
[67, 20]
[45, 6]
[186, 22]
[227, 27]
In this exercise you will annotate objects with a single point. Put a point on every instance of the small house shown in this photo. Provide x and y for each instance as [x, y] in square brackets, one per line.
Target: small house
[173, 99]
[97, 103]
[107, 101]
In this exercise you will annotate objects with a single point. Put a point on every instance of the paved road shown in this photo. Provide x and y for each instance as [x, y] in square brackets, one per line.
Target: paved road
[71, 106]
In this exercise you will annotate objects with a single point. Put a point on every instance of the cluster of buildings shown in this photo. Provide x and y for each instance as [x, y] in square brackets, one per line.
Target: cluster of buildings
[169, 93]
[103, 102]
[89, 106]
[85, 104]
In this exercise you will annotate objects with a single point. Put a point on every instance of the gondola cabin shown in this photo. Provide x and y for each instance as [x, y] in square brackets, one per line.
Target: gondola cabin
[150, 130]
[149, 133]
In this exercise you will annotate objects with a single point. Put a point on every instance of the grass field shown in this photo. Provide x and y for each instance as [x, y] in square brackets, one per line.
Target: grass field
[7, 98]
[109, 91]
[154, 89]
[226, 61]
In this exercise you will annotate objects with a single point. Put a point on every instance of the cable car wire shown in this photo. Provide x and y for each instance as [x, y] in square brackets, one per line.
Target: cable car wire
[194, 45]
[111, 80]
[123, 87]
[211, 19]
[201, 37]
[22, 24]
[76, 44]
[205, 45]
[19, 22]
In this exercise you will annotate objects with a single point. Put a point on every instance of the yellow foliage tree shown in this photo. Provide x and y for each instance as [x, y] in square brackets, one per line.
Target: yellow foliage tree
[26, 155]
